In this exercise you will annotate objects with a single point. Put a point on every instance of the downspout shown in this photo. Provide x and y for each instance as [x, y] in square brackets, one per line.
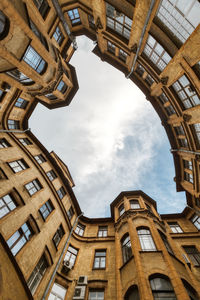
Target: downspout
[14, 131]
[65, 25]
[186, 151]
[60, 258]
[141, 38]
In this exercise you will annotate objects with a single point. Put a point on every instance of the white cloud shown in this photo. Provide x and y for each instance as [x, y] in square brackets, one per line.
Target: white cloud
[109, 136]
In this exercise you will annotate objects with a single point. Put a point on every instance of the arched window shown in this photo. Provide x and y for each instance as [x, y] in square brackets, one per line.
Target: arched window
[165, 241]
[126, 247]
[146, 240]
[4, 25]
[162, 289]
[132, 293]
[190, 290]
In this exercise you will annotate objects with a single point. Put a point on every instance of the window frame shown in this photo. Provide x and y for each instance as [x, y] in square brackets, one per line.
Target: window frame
[102, 231]
[126, 248]
[143, 237]
[9, 204]
[18, 165]
[21, 236]
[58, 236]
[72, 13]
[58, 35]
[36, 187]
[134, 204]
[71, 255]
[99, 260]
[194, 256]
[175, 227]
[46, 209]
[61, 192]
[21, 103]
[80, 229]
[4, 143]
[34, 60]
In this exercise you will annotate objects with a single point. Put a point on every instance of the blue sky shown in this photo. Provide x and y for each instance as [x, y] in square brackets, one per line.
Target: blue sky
[110, 137]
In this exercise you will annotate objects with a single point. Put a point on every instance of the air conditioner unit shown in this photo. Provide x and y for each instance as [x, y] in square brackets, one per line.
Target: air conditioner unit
[79, 293]
[83, 280]
[67, 265]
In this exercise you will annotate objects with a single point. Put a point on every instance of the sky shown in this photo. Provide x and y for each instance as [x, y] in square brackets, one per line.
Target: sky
[110, 137]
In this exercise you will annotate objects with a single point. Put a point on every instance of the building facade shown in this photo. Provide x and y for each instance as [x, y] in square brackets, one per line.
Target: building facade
[48, 249]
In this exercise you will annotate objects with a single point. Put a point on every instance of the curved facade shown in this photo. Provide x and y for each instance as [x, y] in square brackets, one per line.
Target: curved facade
[49, 250]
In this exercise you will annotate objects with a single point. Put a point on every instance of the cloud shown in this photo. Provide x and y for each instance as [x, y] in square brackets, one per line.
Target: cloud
[110, 137]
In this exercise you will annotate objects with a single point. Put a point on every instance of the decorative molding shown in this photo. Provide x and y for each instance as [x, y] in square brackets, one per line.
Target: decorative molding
[99, 24]
[134, 48]
[164, 80]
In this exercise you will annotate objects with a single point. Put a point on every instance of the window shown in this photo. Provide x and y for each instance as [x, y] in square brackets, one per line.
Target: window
[33, 186]
[183, 142]
[148, 207]
[2, 94]
[111, 47]
[186, 92]
[163, 98]
[193, 254]
[58, 235]
[61, 192]
[80, 229]
[165, 241]
[187, 164]
[13, 124]
[149, 80]
[179, 130]
[196, 69]
[43, 7]
[122, 55]
[140, 70]
[7, 204]
[70, 213]
[121, 209]
[196, 128]
[4, 143]
[100, 259]
[126, 248]
[46, 209]
[39, 158]
[188, 177]
[181, 18]
[62, 87]
[19, 76]
[71, 255]
[91, 21]
[18, 165]
[34, 60]
[190, 290]
[156, 53]
[4, 25]
[146, 241]
[134, 204]
[20, 238]
[37, 274]
[103, 231]
[132, 293]
[162, 289]
[175, 228]
[58, 36]
[170, 110]
[25, 141]
[58, 292]
[74, 16]
[51, 96]
[21, 103]
[118, 21]
[52, 175]
[196, 221]
[96, 294]
[39, 35]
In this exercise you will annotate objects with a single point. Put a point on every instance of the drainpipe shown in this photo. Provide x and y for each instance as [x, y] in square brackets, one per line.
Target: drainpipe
[65, 25]
[60, 258]
[186, 151]
[141, 38]
[14, 131]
